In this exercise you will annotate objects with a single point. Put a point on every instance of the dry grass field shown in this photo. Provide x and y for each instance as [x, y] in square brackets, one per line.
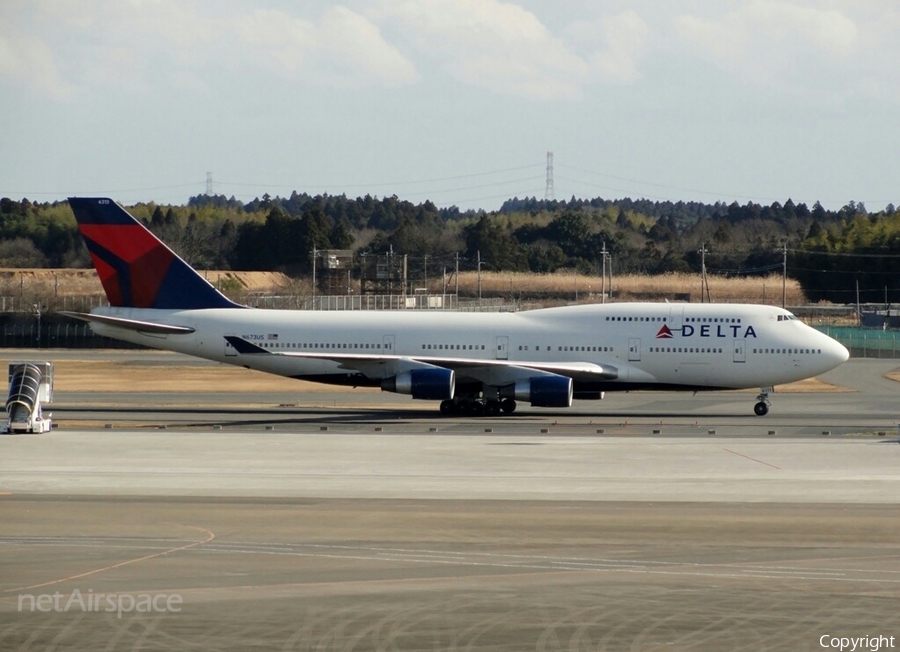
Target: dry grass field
[81, 282]
[132, 377]
[49, 284]
[630, 287]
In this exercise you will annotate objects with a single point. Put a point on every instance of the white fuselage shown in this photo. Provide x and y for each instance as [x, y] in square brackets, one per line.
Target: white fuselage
[651, 345]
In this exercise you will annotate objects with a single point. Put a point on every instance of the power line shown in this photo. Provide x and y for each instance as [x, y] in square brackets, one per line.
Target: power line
[485, 185]
[854, 272]
[389, 183]
[842, 254]
[82, 192]
[751, 249]
[533, 193]
[698, 191]
[747, 270]
[612, 189]
[661, 185]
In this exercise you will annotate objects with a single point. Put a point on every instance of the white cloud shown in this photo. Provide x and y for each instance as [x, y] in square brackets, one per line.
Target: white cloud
[490, 44]
[625, 36]
[773, 42]
[352, 44]
[144, 46]
[826, 30]
[775, 22]
[343, 48]
[148, 46]
[28, 59]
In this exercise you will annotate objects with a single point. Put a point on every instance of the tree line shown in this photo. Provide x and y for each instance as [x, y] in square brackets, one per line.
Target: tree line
[830, 252]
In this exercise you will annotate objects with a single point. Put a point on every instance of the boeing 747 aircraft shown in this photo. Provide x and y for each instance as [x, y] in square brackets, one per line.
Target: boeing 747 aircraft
[473, 363]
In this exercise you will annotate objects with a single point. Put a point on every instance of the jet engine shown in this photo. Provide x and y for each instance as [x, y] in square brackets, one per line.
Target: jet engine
[431, 384]
[589, 396]
[542, 391]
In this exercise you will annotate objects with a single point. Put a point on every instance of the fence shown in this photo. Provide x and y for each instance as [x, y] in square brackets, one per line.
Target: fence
[22, 325]
[352, 302]
[29, 303]
[385, 302]
[866, 342]
[17, 331]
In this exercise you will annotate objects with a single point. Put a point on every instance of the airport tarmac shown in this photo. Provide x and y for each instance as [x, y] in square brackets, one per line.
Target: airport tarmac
[363, 521]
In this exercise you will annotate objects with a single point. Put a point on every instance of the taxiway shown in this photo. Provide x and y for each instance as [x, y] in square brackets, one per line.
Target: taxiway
[345, 521]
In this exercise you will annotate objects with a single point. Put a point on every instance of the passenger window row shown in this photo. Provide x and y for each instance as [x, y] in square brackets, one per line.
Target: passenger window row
[571, 348]
[789, 351]
[317, 345]
[684, 349]
[692, 320]
[713, 320]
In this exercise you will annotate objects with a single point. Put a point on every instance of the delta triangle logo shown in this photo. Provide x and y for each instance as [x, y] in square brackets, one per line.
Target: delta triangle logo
[664, 333]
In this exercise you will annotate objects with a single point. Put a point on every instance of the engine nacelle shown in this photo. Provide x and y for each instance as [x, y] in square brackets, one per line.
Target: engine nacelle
[588, 396]
[429, 384]
[545, 391]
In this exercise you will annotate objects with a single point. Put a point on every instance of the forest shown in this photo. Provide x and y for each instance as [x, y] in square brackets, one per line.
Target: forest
[833, 254]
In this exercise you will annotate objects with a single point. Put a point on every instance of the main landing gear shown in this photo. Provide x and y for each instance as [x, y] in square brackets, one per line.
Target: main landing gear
[478, 407]
[761, 408]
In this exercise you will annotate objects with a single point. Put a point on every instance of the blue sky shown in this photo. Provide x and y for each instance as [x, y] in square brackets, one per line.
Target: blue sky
[456, 101]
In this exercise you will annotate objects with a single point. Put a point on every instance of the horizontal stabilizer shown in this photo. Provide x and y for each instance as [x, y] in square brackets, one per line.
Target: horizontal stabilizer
[129, 324]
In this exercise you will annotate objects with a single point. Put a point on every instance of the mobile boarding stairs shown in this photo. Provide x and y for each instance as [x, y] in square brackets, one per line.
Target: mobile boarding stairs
[30, 385]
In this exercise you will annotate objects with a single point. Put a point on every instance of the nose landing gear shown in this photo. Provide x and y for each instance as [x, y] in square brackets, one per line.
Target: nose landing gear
[761, 408]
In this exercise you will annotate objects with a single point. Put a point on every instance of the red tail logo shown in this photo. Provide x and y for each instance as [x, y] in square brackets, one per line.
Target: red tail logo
[664, 333]
[137, 270]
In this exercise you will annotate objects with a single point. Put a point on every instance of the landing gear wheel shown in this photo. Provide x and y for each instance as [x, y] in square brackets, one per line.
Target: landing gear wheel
[508, 406]
[472, 408]
[762, 406]
[448, 407]
[492, 408]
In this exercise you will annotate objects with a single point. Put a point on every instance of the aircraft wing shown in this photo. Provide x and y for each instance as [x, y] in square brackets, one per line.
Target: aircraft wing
[491, 372]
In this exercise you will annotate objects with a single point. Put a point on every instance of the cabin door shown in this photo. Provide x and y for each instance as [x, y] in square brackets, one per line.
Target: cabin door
[502, 347]
[634, 349]
[740, 350]
[676, 316]
[389, 345]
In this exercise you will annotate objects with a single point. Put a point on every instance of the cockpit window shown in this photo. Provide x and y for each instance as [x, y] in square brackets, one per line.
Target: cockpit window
[787, 317]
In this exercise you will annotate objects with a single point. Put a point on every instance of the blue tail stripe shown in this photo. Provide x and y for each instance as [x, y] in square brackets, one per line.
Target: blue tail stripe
[243, 346]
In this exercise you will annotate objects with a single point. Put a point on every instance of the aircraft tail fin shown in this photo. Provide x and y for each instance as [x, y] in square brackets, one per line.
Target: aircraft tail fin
[136, 269]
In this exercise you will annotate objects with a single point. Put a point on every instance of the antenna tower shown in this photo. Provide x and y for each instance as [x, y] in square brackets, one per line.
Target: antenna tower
[548, 188]
[209, 184]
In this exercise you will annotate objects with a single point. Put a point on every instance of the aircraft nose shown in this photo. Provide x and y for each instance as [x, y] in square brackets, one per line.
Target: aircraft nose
[844, 352]
[836, 352]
